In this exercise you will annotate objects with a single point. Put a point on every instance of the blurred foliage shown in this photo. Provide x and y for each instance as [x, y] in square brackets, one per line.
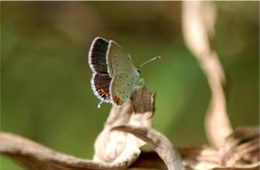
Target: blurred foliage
[45, 77]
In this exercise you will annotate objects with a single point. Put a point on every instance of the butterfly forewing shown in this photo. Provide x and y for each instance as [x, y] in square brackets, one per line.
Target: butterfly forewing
[97, 55]
[118, 61]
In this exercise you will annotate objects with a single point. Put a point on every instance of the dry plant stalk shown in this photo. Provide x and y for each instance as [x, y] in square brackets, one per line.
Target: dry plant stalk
[198, 28]
[118, 145]
[233, 149]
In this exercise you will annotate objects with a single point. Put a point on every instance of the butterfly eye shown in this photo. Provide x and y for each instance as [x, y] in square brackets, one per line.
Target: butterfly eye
[138, 70]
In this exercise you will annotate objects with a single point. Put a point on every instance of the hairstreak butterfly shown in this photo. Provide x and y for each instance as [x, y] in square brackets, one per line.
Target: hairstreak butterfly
[114, 74]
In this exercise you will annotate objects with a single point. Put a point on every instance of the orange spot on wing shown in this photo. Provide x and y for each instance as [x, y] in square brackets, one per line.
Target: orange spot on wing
[117, 99]
[106, 93]
[103, 91]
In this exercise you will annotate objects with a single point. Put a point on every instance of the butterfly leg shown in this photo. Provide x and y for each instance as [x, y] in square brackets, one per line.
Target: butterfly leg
[141, 82]
[99, 104]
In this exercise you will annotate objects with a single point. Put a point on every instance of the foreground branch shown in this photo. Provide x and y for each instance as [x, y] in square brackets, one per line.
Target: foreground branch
[240, 152]
[115, 148]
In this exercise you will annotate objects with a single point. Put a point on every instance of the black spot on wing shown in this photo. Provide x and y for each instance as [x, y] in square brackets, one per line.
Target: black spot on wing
[97, 55]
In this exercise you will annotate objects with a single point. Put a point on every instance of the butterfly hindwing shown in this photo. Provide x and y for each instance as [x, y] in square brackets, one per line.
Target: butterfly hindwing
[100, 85]
[122, 87]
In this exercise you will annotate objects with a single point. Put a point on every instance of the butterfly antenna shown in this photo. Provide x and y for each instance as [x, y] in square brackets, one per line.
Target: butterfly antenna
[152, 59]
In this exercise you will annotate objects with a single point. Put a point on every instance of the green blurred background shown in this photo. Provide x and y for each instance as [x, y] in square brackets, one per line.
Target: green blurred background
[45, 77]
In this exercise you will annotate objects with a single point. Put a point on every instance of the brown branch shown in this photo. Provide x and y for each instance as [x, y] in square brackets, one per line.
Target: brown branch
[240, 149]
[114, 146]
[35, 156]
[113, 149]
[240, 152]
[159, 143]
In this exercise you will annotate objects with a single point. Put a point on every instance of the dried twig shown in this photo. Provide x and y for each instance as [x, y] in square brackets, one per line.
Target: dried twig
[113, 149]
[114, 146]
[160, 144]
[37, 157]
[240, 152]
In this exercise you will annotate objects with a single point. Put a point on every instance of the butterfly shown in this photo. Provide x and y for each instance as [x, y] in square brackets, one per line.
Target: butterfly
[114, 74]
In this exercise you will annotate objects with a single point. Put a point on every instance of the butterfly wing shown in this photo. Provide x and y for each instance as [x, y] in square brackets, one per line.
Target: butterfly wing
[100, 85]
[100, 81]
[97, 55]
[122, 87]
[117, 60]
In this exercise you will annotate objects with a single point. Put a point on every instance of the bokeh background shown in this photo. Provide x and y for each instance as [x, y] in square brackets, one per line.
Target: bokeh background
[45, 77]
